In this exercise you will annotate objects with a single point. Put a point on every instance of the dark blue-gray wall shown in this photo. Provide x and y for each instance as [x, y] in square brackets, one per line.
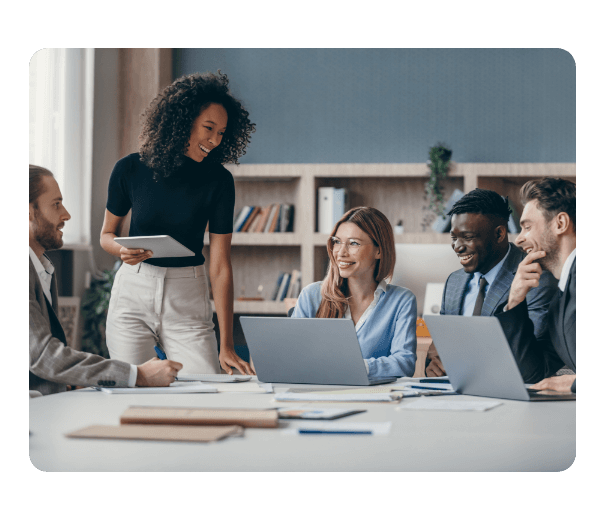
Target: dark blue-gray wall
[391, 105]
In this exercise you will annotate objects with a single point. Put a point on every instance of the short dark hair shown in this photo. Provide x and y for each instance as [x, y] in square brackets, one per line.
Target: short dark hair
[36, 188]
[485, 202]
[553, 196]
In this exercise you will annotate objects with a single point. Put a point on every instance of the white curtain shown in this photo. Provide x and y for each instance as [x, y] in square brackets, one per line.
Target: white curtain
[60, 129]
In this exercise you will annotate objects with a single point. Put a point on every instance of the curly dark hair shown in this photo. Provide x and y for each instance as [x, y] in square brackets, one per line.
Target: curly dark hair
[168, 120]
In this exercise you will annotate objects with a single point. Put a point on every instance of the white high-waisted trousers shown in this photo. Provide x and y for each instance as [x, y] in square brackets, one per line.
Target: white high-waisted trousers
[169, 305]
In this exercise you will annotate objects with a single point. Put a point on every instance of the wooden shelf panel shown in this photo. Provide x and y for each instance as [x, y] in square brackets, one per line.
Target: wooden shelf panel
[262, 239]
[291, 171]
[257, 307]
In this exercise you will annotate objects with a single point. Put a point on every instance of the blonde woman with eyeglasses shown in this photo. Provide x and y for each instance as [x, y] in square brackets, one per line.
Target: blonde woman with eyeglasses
[362, 258]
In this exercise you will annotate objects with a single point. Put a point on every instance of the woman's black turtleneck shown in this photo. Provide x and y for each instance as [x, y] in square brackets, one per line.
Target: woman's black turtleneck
[180, 205]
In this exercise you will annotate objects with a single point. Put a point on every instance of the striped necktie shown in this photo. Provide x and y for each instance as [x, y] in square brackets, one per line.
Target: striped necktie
[480, 297]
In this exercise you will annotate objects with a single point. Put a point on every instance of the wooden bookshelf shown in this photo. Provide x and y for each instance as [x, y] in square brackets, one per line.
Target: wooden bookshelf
[396, 189]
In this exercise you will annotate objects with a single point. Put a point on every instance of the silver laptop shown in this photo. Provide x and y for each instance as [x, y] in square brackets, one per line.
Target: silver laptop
[306, 351]
[478, 360]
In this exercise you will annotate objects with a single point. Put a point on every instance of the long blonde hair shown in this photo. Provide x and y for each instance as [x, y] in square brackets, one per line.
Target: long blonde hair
[372, 222]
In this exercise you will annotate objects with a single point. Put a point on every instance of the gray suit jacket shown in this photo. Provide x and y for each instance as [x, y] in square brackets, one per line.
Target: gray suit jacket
[52, 364]
[538, 299]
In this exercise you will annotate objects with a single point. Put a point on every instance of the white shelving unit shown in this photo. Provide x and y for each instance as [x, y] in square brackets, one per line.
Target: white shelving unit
[395, 189]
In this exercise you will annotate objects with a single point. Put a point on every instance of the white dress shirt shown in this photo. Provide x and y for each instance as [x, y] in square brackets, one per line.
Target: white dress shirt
[45, 270]
[566, 269]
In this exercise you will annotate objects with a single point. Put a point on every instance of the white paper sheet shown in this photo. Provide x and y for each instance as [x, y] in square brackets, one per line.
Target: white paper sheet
[288, 396]
[427, 403]
[178, 387]
[247, 387]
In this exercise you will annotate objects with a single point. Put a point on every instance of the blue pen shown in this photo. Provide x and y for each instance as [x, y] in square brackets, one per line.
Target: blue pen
[335, 432]
[429, 388]
[161, 354]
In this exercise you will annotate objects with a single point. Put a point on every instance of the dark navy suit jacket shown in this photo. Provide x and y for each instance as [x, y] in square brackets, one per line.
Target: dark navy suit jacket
[538, 298]
[541, 355]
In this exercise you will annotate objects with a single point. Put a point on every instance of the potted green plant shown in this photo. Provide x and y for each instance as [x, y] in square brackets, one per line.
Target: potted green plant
[439, 164]
[95, 304]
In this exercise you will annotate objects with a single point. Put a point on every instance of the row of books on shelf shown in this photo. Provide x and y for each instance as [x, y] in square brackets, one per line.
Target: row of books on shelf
[274, 218]
[287, 286]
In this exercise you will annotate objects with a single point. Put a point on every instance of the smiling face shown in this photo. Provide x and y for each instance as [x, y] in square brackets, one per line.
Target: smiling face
[478, 243]
[537, 235]
[207, 132]
[354, 252]
[47, 217]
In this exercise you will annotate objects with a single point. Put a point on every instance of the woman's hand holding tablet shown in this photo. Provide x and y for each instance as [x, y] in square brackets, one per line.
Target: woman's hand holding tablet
[134, 256]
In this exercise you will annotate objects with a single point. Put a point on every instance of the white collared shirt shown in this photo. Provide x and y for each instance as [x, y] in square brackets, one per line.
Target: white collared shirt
[45, 270]
[382, 287]
[566, 269]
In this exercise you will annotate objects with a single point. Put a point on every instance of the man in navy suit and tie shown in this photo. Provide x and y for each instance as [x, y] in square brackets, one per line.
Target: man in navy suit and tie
[479, 233]
[548, 235]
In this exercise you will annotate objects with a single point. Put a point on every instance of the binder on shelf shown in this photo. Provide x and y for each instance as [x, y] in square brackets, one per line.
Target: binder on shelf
[325, 209]
[442, 224]
[340, 204]
[332, 204]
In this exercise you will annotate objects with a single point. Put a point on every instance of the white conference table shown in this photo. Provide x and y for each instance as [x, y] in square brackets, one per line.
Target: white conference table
[516, 436]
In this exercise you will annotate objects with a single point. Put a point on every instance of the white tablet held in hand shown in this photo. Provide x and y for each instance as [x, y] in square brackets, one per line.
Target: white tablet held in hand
[163, 246]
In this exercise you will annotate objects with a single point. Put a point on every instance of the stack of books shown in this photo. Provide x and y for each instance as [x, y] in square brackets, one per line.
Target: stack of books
[274, 218]
[287, 286]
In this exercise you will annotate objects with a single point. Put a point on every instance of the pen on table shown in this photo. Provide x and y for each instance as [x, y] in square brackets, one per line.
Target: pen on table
[428, 388]
[331, 432]
[161, 354]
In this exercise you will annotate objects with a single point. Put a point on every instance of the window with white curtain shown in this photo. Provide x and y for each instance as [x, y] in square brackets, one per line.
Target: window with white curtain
[60, 129]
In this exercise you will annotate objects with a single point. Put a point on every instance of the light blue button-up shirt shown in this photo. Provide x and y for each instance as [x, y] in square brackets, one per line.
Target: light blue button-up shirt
[472, 289]
[387, 337]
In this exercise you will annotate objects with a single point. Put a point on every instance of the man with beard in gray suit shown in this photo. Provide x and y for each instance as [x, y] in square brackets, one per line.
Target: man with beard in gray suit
[489, 263]
[52, 364]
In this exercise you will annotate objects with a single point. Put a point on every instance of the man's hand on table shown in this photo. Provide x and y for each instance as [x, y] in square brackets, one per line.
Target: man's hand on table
[557, 383]
[435, 368]
[156, 372]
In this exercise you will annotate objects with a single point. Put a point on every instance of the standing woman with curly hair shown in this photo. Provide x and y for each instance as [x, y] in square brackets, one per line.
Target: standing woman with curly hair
[176, 185]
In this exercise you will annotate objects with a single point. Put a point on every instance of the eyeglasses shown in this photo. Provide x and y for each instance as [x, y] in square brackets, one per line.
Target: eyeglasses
[337, 244]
